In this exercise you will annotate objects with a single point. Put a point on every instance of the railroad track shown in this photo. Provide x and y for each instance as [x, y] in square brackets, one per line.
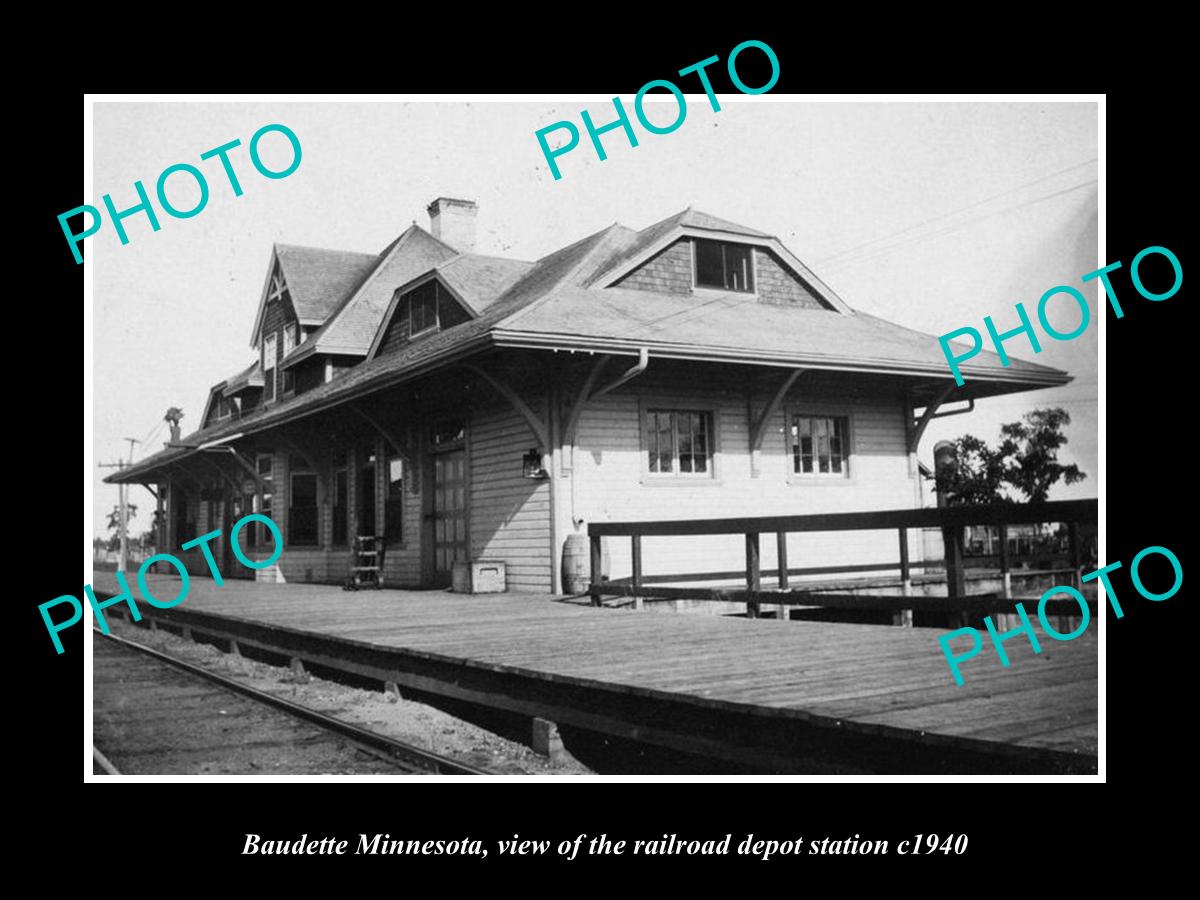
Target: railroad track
[395, 754]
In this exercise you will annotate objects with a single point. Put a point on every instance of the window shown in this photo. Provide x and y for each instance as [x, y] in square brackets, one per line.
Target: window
[265, 465]
[185, 521]
[679, 442]
[268, 366]
[340, 507]
[821, 446]
[365, 479]
[422, 312]
[289, 339]
[249, 536]
[448, 433]
[302, 509]
[724, 266]
[393, 512]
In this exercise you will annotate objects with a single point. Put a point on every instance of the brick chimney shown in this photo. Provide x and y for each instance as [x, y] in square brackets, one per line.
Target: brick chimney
[453, 221]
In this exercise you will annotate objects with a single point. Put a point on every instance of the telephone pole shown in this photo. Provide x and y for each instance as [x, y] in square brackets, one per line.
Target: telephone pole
[123, 507]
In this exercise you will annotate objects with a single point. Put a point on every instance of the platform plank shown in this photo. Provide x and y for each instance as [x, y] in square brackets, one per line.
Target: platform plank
[876, 676]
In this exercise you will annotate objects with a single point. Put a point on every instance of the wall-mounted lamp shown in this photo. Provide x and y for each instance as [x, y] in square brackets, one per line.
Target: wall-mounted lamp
[533, 467]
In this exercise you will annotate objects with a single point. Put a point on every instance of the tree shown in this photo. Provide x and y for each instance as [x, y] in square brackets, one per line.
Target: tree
[1025, 461]
[114, 517]
[1035, 467]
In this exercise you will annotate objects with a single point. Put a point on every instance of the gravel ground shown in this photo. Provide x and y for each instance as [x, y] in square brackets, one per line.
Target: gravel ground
[399, 718]
[152, 719]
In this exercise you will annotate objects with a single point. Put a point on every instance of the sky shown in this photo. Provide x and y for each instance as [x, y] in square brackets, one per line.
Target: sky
[931, 215]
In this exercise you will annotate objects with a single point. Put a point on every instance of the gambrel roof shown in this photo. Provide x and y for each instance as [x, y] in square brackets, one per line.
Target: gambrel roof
[563, 302]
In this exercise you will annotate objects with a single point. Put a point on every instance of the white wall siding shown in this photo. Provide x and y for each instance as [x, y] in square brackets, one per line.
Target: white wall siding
[509, 514]
[611, 483]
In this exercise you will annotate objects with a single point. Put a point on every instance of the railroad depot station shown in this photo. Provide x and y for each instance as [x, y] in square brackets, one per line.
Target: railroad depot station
[466, 407]
[429, 407]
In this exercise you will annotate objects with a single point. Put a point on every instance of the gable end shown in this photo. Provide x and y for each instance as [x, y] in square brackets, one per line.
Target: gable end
[671, 272]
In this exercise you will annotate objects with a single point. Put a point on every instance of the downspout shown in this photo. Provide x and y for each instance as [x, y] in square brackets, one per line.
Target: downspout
[633, 372]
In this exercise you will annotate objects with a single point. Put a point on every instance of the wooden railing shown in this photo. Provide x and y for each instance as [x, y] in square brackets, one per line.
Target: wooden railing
[952, 520]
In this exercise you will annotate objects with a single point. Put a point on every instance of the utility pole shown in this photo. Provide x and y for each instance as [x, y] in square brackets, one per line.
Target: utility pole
[123, 507]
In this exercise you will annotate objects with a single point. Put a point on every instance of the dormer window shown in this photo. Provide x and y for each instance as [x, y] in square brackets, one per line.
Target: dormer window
[724, 266]
[423, 309]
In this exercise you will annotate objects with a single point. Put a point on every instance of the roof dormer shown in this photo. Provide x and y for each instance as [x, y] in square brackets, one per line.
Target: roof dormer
[693, 253]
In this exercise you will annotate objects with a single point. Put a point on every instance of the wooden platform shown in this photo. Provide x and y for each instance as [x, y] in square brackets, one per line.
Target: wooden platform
[785, 696]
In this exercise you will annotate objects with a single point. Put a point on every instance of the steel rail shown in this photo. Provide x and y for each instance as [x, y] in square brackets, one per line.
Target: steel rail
[369, 741]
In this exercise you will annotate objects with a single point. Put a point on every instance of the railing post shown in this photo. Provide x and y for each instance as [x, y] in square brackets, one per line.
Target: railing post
[781, 554]
[904, 617]
[1076, 562]
[753, 575]
[594, 587]
[1005, 574]
[636, 580]
[956, 581]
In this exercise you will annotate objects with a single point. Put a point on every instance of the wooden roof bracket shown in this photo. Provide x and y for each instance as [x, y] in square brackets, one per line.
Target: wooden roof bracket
[243, 462]
[190, 490]
[310, 460]
[292, 447]
[758, 427]
[536, 425]
[403, 447]
[585, 394]
[930, 412]
[970, 407]
[225, 476]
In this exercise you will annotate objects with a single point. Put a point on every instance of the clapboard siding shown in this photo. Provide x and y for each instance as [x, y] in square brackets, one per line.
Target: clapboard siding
[612, 485]
[509, 514]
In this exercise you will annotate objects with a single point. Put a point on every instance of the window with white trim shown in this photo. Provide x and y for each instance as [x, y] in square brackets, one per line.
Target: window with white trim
[820, 446]
[265, 464]
[423, 309]
[268, 366]
[679, 442]
[724, 266]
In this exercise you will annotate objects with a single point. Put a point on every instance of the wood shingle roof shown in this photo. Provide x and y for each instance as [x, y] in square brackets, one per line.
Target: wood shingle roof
[559, 302]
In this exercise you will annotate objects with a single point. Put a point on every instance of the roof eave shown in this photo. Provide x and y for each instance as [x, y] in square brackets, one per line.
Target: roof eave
[386, 379]
[538, 341]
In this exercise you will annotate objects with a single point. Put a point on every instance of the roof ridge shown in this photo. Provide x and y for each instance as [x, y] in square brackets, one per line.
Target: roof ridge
[387, 253]
[474, 255]
[570, 274]
[278, 245]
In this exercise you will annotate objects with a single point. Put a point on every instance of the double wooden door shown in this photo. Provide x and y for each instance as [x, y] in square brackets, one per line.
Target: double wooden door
[449, 513]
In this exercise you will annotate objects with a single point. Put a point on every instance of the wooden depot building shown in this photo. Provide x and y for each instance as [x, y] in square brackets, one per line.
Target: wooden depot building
[457, 406]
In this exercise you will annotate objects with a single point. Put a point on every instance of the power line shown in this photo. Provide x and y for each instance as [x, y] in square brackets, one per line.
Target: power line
[879, 254]
[891, 248]
[954, 212]
[153, 436]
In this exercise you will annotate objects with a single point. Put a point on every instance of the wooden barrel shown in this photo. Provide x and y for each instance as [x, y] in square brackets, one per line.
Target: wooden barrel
[576, 564]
